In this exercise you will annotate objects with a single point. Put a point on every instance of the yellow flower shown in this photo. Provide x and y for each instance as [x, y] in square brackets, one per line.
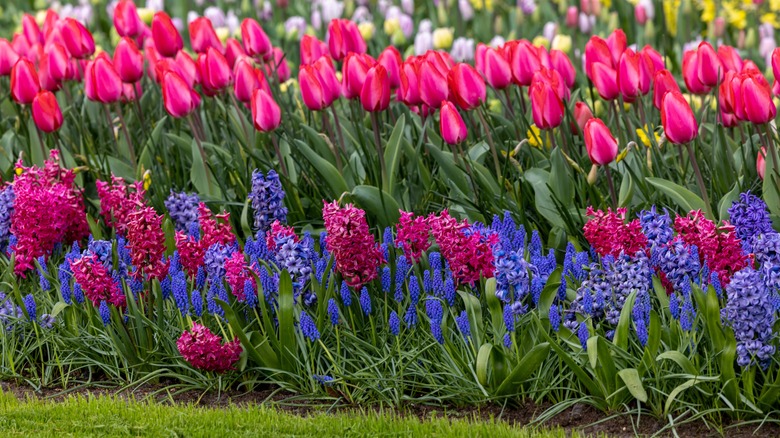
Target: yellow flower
[494, 105]
[770, 18]
[671, 7]
[482, 4]
[707, 11]
[284, 86]
[774, 5]
[734, 15]
[391, 26]
[366, 29]
[561, 42]
[146, 15]
[442, 38]
[534, 136]
[642, 133]
[222, 33]
[19, 170]
[541, 41]
[147, 180]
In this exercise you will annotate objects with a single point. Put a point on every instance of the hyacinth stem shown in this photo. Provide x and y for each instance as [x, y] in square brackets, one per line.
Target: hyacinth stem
[279, 155]
[111, 126]
[611, 185]
[378, 141]
[490, 143]
[699, 179]
[130, 146]
[338, 129]
[329, 129]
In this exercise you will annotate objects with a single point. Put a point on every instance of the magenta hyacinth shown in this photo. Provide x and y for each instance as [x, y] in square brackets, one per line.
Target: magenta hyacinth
[118, 200]
[96, 281]
[608, 233]
[146, 241]
[467, 249]
[205, 351]
[412, 235]
[356, 252]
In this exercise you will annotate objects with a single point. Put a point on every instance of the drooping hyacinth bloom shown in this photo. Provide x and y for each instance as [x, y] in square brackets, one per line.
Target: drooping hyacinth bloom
[183, 209]
[205, 351]
[750, 312]
[349, 240]
[96, 282]
[267, 196]
[412, 235]
[118, 200]
[467, 250]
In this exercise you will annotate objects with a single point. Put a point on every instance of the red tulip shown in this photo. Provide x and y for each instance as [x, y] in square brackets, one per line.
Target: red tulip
[24, 82]
[582, 114]
[344, 37]
[233, 51]
[312, 49]
[617, 45]
[356, 66]
[375, 95]
[245, 80]
[467, 87]
[729, 59]
[203, 37]
[312, 91]
[546, 106]
[562, 64]
[128, 61]
[756, 96]
[601, 144]
[497, 71]
[525, 62]
[761, 162]
[31, 30]
[279, 64]
[605, 80]
[77, 38]
[750, 67]
[46, 112]
[663, 82]
[256, 42]
[102, 83]
[329, 81]
[710, 70]
[177, 96]
[409, 90]
[726, 97]
[628, 75]
[453, 129]
[167, 39]
[654, 57]
[554, 80]
[391, 60]
[8, 57]
[597, 50]
[49, 23]
[53, 68]
[126, 19]
[690, 69]
[266, 114]
[433, 84]
[677, 118]
[187, 68]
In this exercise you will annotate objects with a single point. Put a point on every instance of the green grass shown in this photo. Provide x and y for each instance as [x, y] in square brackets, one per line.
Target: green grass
[106, 416]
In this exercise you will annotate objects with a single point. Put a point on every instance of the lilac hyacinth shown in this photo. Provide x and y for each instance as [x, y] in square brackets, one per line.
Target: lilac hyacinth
[512, 276]
[267, 196]
[7, 198]
[333, 312]
[677, 261]
[296, 258]
[308, 327]
[394, 323]
[435, 314]
[766, 248]
[656, 227]
[365, 301]
[750, 312]
[30, 307]
[750, 217]
[183, 209]
[462, 321]
[214, 261]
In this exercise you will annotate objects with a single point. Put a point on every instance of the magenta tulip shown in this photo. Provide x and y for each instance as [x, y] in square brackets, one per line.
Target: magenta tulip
[46, 112]
[266, 114]
[375, 94]
[453, 129]
[167, 39]
[128, 61]
[24, 82]
[677, 118]
[601, 144]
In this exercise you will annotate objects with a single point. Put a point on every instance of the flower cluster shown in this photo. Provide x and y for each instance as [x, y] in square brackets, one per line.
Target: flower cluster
[356, 252]
[750, 218]
[412, 235]
[467, 249]
[7, 198]
[267, 198]
[117, 201]
[183, 210]
[750, 312]
[205, 351]
[608, 233]
[146, 241]
[96, 282]
[720, 248]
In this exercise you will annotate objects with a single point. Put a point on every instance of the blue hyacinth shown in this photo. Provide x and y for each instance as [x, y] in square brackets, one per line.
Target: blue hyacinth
[656, 227]
[296, 258]
[183, 209]
[750, 217]
[365, 301]
[7, 198]
[308, 327]
[509, 318]
[750, 312]
[462, 321]
[333, 311]
[678, 261]
[267, 197]
[512, 276]
[394, 323]
[30, 307]
[105, 313]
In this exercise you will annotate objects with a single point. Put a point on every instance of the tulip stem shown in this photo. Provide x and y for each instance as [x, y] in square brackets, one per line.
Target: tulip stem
[279, 154]
[490, 143]
[611, 185]
[127, 133]
[699, 179]
[329, 129]
[111, 125]
[378, 140]
[338, 129]
[240, 116]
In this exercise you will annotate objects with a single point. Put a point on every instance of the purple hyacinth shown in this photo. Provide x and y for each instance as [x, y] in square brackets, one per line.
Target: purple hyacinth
[512, 276]
[750, 312]
[750, 217]
[678, 260]
[7, 198]
[296, 258]
[766, 247]
[183, 210]
[267, 196]
[656, 227]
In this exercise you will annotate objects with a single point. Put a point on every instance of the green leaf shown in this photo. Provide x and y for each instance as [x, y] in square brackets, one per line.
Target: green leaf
[378, 203]
[327, 171]
[771, 187]
[268, 359]
[684, 198]
[626, 192]
[633, 382]
[680, 359]
[201, 175]
[286, 315]
[454, 174]
[624, 323]
[727, 200]
[523, 370]
[677, 391]
[59, 307]
[474, 311]
[496, 312]
[582, 376]
[539, 179]
[561, 181]
[393, 154]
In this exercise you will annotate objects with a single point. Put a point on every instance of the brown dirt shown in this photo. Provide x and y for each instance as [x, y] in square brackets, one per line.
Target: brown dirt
[582, 418]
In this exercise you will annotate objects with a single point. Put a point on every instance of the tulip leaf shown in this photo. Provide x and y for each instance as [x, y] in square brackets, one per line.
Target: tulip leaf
[728, 199]
[523, 370]
[453, 173]
[329, 174]
[560, 178]
[771, 187]
[393, 154]
[539, 180]
[379, 203]
[201, 175]
[633, 382]
[684, 198]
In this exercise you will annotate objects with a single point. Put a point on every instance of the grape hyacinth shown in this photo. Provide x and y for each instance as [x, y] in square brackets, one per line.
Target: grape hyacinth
[394, 323]
[30, 307]
[105, 313]
[308, 327]
[462, 321]
[365, 301]
[267, 197]
[435, 314]
[333, 312]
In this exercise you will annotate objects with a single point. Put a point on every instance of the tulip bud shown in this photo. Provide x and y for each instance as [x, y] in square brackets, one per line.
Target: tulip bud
[677, 118]
[525, 62]
[761, 162]
[546, 106]
[582, 114]
[8, 57]
[266, 114]
[467, 88]
[167, 40]
[344, 37]
[356, 66]
[571, 17]
[451, 126]
[102, 82]
[20, 45]
[640, 14]
[375, 95]
[628, 75]
[177, 96]
[329, 81]
[710, 70]
[433, 84]
[78, 40]
[617, 45]
[312, 91]
[690, 68]
[233, 51]
[128, 61]
[126, 19]
[391, 60]
[312, 49]
[46, 112]
[601, 144]
[31, 30]
[663, 81]
[605, 80]
[57, 63]
[203, 37]
[497, 70]
[776, 63]
[24, 82]
[214, 70]
[246, 81]
[756, 96]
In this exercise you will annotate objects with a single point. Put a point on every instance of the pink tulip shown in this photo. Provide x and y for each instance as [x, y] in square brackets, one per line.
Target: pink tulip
[78, 40]
[605, 80]
[177, 96]
[433, 84]
[663, 82]
[214, 70]
[409, 91]
[391, 60]
[677, 118]
[467, 87]
[761, 162]
[20, 45]
[279, 64]
[525, 62]
[582, 114]
[617, 45]
[572, 16]
[597, 51]
[690, 69]
[601, 144]
[131, 92]
[628, 75]
[344, 37]
[103, 83]
[312, 91]
[375, 95]
[356, 66]
[256, 42]
[187, 68]
[312, 49]
[497, 70]
[167, 39]
[729, 59]
[233, 51]
[24, 82]
[640, 14]
[776, 63]
[562, 64]
[327, 75]
[128, 61]
[203, 36]
[46, 112]
[546, 106]
[554, 80]
[53, 68]
[126, 20]
[266, 114]
[8, 57]
[31, 30]
[453, 129]
[757, 98]
[479, 58]
[710, 70]
[245, 80]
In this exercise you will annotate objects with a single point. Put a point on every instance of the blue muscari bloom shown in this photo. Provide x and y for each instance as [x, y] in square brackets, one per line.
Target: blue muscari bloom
[250, 293]
[385, 251]
[587, 301]
[308, 327]
[688, 312]
[507, 340]
[319, 269]
[414, 289]
[401, 270]
[365, 301]
[537, 286]
[175, 263]
[750, 217]
[679, 261]
[179, 292]
[42, 272]
[105, 313]
[333, 311]
[387, 237]
[267, 197]
[387, 279]
[449, 290]
[410, 317]
[165, 287]
[656, 226]
[346, 295]
[183, 209]
[674, 305]
[511, 237]
[323, 380]
[200, 278]
[194, 231]
[7, 198]
[30, 306]
[427, 282]
[568, 260]
[197, 303]
[324, 244]
[462, 321]
[509, 318]
[136, 285]
[715, 283]
[78, 293]
[394, 323]
[581, 261]
[535, 247]
[64, 274]
[435, 314]
[434, 260]
[751, 313]
[555, 317]
[583, 335]
[512, 275]
[214, 261]
[211, 297]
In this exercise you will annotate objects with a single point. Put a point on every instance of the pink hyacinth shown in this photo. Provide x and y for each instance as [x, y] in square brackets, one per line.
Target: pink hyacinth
[719, 247]
[146, 241]
[608, 233]
[468, 252]
[214, 228]
[191, 252]
[357, 254]
[117, 201]
[412, 235]
[278, 230]
[48, 209]
[96, 281]
[205, 351]
[237, 273]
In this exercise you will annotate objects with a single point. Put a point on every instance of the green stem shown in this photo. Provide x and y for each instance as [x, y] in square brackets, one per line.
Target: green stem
[699, 180]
